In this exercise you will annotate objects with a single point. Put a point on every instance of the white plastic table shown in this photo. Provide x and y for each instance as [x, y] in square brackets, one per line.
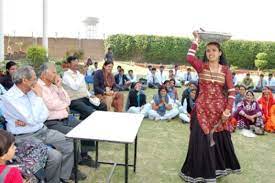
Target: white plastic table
[109, 127]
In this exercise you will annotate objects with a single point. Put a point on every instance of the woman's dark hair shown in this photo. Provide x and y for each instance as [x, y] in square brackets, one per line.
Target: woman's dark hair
[250, 91]
[10, 64]
[107, 62]
[7, 139]
[161, 88]
[242, 86]
[194, 89]
[70, 59]
[133, 85]
[166, 81]
[222, 57]
[89, 62]
[173, 80]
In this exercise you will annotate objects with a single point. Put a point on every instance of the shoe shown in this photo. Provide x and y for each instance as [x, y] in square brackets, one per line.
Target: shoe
[247, 133]
[64, 181]
[88, 161]
[259, 131]
[80, 175]
[157, 118]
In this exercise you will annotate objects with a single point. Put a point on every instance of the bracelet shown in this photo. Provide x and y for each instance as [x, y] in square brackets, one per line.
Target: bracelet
[196, 42]
[226, 115]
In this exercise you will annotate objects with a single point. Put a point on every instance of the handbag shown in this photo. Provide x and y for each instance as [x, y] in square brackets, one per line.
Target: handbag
[95, 101]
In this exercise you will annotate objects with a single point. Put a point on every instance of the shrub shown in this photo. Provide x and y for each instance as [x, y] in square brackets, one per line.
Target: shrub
[77, 53]
[171, 50]
[36, 55]
[261, 61]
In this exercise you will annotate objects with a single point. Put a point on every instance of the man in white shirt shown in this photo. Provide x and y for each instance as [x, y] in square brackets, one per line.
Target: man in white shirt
[25, 113]
[271, 82]
[234, 78]
[149, 71]
[260, 84]
[161, 76]
[152, 79]
[188, 76]
[177, 76]
[81, 98]
[131, 76]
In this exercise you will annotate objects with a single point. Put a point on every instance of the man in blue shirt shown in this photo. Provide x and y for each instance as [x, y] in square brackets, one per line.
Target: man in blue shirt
[109, 55]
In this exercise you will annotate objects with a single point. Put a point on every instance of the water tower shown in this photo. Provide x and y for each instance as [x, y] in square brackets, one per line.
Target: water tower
[91, 22]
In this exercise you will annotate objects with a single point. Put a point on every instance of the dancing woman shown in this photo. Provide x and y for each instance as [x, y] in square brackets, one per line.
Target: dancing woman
[206, 159]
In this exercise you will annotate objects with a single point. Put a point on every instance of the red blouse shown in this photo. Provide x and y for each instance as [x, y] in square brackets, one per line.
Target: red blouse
[212, 101]
[13, 176]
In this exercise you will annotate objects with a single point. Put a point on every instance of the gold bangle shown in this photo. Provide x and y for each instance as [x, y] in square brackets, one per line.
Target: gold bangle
[226, 115]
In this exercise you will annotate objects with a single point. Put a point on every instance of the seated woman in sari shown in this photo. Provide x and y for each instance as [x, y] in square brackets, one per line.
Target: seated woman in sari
[249, 115]
[162, 106]
[267, 104]
[187, 106]
[137, 100]
[104, 88]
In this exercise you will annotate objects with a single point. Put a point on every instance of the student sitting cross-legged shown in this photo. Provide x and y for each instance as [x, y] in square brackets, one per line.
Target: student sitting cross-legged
[137, 100]
[162, 106]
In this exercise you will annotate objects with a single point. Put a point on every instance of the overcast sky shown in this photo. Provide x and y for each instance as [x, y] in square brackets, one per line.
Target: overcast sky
[252, 20]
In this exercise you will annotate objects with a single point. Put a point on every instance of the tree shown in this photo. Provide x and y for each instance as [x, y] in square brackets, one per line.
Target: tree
[261, 61]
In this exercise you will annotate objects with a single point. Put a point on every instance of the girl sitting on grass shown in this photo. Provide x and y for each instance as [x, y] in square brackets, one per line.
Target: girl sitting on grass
[7, 150]
[162, 106]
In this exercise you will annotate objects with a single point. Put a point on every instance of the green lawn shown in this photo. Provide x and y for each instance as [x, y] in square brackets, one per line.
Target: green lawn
[162, 148]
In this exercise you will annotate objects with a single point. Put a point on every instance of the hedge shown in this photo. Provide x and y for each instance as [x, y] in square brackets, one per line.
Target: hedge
[172, 50]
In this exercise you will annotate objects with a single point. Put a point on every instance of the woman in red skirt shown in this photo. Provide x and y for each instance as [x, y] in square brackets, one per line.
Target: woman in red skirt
[210, 153]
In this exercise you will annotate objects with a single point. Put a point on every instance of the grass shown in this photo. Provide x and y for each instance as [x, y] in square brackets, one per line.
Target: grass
[162, 149]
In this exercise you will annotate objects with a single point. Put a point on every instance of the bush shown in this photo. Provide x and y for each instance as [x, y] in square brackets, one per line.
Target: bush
[261, 61]
[143, 48]
[171, 50]
[77, 53]
[36, 56]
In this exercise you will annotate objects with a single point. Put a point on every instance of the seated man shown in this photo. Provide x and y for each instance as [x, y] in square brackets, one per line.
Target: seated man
[57, 101]
[152, 79]
[177, 75]
[161, 75]
[25, 113]
[188, 76]
[260, 84]
[122, 82]
[74, 84]
[171, 75]
[131, 76]
[234, 79]
[271, 82]
[248, 82]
